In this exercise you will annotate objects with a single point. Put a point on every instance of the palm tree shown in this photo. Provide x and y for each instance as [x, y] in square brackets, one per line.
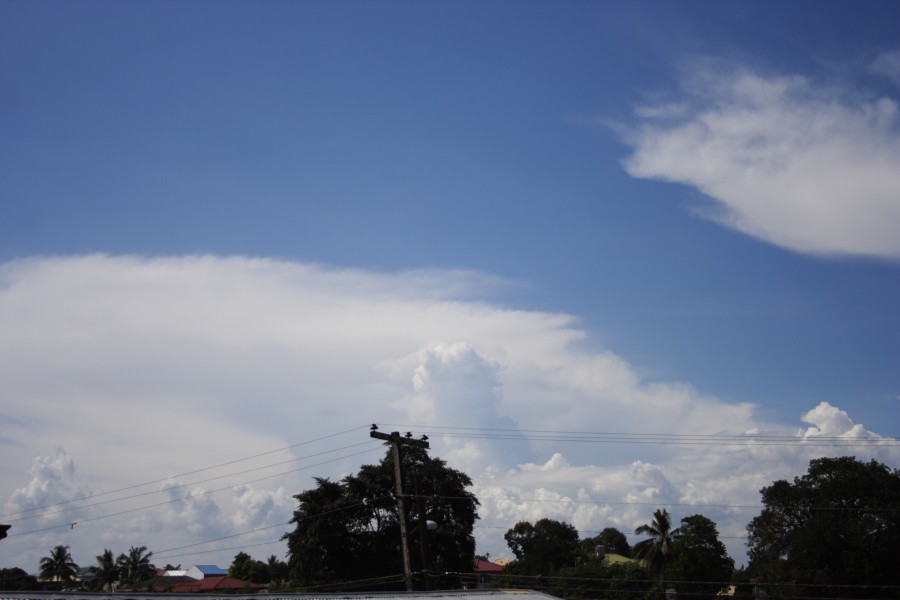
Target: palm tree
[135, 566]
[656, 549]
[59, 566]
[106, 572]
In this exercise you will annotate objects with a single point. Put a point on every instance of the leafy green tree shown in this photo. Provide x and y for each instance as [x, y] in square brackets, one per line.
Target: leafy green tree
[244, 567]
[611, 540]
[105, 572]
[135, 566]
[278, 569]
[348, 530]
[17, 579]
[59, 566]
[656, 550]
[699, 563]
[542, 548]
[837, 528]
[601, 579]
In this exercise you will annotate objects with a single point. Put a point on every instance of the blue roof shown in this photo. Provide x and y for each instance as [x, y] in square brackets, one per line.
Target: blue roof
[211, 570]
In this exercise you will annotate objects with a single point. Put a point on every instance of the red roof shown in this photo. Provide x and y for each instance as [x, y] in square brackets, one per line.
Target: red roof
[209, 584]
[486, 566]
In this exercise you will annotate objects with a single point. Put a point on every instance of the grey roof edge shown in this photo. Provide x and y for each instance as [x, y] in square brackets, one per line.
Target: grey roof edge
[451, 594]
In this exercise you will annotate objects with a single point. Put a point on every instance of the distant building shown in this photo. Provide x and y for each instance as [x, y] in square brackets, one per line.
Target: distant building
[203, 571]
[485, 571]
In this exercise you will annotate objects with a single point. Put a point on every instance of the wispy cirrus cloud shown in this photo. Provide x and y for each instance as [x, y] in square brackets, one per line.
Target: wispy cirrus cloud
[800, 164]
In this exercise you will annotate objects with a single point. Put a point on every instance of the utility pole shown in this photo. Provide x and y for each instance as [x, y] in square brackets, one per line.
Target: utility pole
[396, 440]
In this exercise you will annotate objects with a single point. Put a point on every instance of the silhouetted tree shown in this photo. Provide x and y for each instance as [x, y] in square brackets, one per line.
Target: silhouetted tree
[656, 549]
[836, 527]
[105, 572]
[59, 566]
[542, 548]
[135, 566]
[348, 530]
[611, 540]
[17, 579]
[246, 568]
[699, 562]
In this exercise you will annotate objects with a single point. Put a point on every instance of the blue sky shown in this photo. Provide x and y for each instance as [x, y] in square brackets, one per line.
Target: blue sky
[704, 191]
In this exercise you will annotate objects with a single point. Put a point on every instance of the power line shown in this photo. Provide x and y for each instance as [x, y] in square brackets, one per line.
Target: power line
[185, 498]
[184, 485]
[539, 435]
[185, 474]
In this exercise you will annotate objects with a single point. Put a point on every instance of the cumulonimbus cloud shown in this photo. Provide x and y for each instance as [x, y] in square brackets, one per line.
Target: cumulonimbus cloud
[150, 370]
[810, 167]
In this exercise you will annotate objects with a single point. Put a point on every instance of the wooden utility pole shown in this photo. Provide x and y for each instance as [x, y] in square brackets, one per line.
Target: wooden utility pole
[396, 440]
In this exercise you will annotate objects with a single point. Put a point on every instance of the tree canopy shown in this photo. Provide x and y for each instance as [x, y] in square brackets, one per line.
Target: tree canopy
[699, 566]
[542, 548]
[836, 527]
[58, 566]
[247, 568]
[656, 549]
[348, 530]
[135, 566]
[610, 540]
[105, 572]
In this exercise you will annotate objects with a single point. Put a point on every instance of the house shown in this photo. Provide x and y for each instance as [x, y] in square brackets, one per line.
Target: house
[204, 571]
[485, 571]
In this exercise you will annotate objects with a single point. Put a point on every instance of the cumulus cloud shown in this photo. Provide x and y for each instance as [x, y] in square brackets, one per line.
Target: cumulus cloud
[52, 486]
[806, 166]
[200, 393]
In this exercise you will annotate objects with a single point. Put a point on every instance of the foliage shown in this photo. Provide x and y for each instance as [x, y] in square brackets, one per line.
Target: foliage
[542, 548]
[245, 568]
[105, 572]
[59, 566]
[611, 540]
[838, 525]
[349, 530]
[656, 549]
[699, 562]
[601, 579]
[279, 573]
[17, 579]
[135, 566]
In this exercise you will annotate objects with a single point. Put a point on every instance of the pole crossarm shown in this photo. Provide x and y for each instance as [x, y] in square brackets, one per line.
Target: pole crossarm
[396, 438]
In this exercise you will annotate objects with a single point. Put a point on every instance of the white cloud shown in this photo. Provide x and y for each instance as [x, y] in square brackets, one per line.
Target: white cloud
[807, 167]
[887, 64]
[149, 370]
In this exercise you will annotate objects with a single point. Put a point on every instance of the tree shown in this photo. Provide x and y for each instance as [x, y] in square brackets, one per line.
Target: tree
[699, 561]
[656, 549]
[105, 572]
[135, 566]
[836, 526]
[610, 540]
[348, 530]
[600, 579]
[17, 579]
[246, 568]
[59, 566]
[278, 570]
[542, 548]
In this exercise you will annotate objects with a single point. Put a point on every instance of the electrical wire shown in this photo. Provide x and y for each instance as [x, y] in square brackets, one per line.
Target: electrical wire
[184, 485]
[744, 439]
[186, 473]
[185, 498]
